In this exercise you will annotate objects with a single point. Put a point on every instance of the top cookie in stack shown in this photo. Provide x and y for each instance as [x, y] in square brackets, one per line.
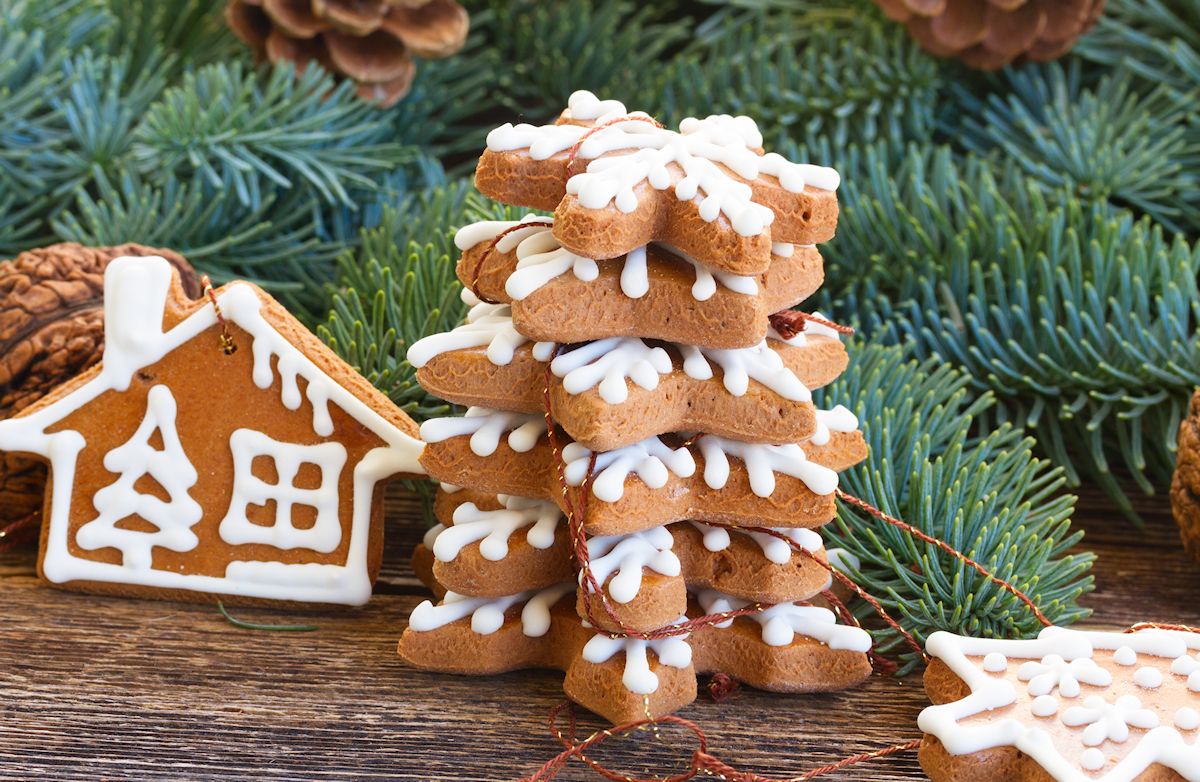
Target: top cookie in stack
[636, 322]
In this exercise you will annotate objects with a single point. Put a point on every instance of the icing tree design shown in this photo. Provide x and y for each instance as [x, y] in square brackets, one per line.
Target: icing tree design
[169, 467]
[1112, 727]
[486, 427]
[493, 528]
[782, 622]
[623, 557]
[709, 159]
[1055, 672]
[487, 613]
[673, 652]
[487, 325]
[542, 258]
[140, 297]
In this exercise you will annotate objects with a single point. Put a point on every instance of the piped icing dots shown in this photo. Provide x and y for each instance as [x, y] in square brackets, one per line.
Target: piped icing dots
[1080, 711]
[995, 663]
[1125, 656]
[1148, 678]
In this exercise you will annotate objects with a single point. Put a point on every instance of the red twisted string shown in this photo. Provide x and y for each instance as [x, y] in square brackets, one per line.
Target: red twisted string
[879, 663]
[17, 532]
[946, 547]
[789, 323]
[1160, 626]
[574, 150]
[701, 760]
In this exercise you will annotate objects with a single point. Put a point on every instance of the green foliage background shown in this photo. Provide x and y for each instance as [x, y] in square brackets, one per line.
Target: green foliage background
[1019, 250]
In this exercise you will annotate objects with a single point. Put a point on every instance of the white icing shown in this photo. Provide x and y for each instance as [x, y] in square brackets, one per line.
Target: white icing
[1092, 759]
[1187, 718]
[488, 613]
[1125, 656]
[431, 535]
[486, 427]
[995, 663]
[652, 460]
[783, 249]
[607, 363]
[673, 652]
[839, 419]
[1106, 721]
[623, 557]
[739, 366]
[1185, 665]
[1055, 672]
[762, 462]
[585, 106]
[169, 467]
[487, 324]
[325, 534]
[1099, 719]
[477, 233]
[1044, 706]
[1193, 682]
[1148, 678]
[843, 560]
[697, 162]
[775, 550]
[542, 258]
[493, 528]
[782, 622]
[136, 293]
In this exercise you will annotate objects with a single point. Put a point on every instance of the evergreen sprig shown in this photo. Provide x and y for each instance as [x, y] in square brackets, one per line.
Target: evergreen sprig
[1107, 142]
[1080, 317]
[986, 495]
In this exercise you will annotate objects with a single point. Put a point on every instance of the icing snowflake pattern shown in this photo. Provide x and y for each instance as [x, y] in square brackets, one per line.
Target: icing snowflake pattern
[652, 460]
[696, 160]
[1055, 672]
[1110, 726]
[638, 678]
[623, 557]
[492, 529]
[1106, 721]
[488, 613]
[487, 325]
[782, 622]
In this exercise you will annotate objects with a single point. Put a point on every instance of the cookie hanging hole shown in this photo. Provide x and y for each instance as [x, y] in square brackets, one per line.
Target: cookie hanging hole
[228, 346]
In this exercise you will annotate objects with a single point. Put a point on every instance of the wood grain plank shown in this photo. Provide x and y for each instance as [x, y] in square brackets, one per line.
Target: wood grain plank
[118, 689]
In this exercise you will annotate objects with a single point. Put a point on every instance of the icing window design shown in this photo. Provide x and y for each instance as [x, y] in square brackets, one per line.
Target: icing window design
[324, 534]
[172, 518]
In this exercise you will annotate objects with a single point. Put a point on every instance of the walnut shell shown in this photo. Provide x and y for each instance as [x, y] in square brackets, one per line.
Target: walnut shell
[51, 329]
[1185, 488]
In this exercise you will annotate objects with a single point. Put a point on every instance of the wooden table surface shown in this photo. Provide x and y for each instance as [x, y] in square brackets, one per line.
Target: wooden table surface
[96, 688]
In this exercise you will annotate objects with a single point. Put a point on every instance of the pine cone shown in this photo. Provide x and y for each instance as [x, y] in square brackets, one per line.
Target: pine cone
[989, 34]
[51, 329]
[1185, 488]
[368, 41]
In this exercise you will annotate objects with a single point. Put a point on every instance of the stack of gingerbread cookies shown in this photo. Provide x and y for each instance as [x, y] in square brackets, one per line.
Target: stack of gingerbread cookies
[640, 444]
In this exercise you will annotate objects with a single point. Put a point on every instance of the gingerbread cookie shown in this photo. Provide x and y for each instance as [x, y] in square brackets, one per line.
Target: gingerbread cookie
[622, 182]
[183, 470]
[793, 648]
[655, 291]
[652, 482]
[1070, 705]
[614, 392]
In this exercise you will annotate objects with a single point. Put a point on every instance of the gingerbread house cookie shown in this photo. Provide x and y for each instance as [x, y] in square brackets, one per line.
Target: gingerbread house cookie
[184, 469]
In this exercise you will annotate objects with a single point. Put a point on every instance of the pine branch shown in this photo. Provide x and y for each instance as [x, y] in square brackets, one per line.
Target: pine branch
[552, 49]
[401, 286]
[1108, 142]
[985, 495]
[1081, 319]
[1159, 40]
